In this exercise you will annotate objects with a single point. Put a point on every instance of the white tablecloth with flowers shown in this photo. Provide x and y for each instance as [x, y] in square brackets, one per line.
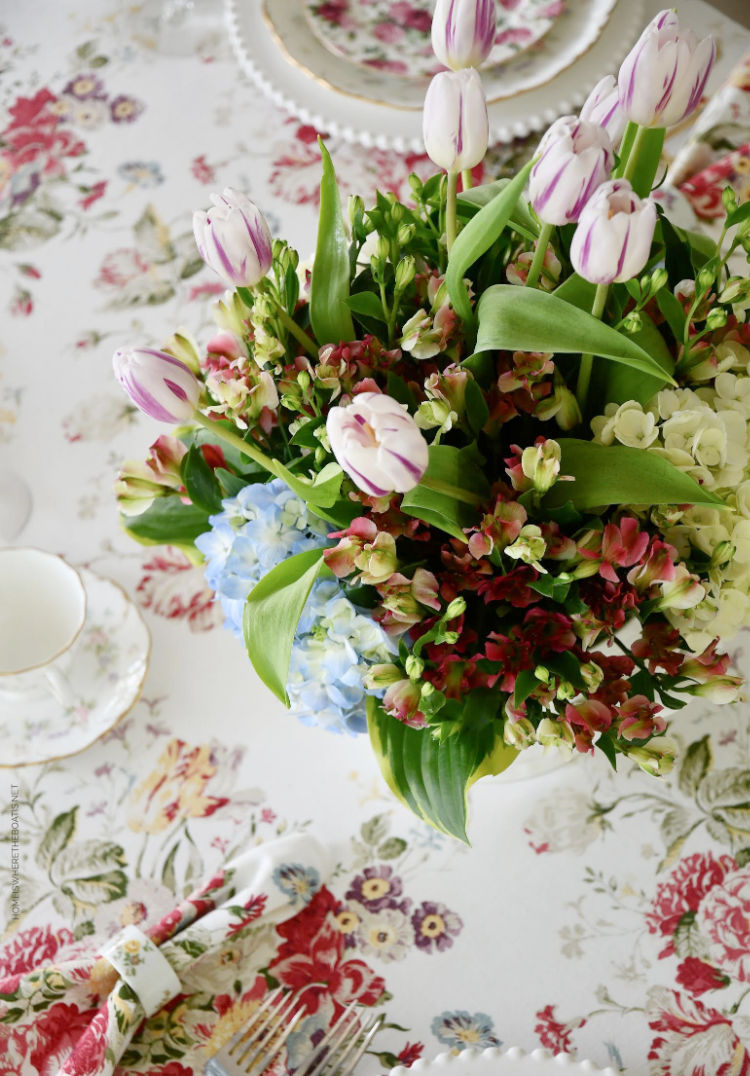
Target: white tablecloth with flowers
[598, 914]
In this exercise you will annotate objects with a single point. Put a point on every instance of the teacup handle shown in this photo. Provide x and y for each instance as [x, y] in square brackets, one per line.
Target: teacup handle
[59, 686]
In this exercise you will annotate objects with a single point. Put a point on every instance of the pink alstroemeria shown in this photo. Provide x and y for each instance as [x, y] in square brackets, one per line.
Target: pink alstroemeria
[378, 444]
[639, 718]
[463, 32]
[233, 238]
[586, 718]
[613, 239]
[158, 384]
[455, 126]
[366, 548]
[663, 77]
[574, 158]
[401, 700]
[706, 665]
[658, 567]
[602, 106]
[621, 546]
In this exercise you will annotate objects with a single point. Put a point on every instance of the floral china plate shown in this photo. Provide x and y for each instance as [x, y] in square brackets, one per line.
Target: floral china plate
[502, 1062]
[291, 65]
[395, 37]
[107, 669]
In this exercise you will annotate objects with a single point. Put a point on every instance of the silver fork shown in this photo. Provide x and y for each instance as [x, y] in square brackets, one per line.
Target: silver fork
[261, 1042]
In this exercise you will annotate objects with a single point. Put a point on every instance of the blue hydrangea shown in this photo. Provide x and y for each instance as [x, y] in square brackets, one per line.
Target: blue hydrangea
[335, 642]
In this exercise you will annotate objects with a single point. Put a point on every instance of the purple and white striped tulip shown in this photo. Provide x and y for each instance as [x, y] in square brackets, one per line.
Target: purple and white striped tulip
[234, 239]
[158, 384]
[378, 444]
[602, 106]
[455, 126]
[663, 77]
[613, 239]
[463, 32]
[574, 158]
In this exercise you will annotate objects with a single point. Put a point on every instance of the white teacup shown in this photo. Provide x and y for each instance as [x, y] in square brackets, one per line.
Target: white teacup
[42, 612]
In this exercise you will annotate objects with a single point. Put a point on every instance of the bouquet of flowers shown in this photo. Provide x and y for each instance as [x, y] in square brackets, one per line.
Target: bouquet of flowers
[479, 479]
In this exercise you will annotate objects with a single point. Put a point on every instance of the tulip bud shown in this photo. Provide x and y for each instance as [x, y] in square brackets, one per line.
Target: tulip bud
[233, 239]
[663, 77]
[602, 106]
[463, 32]
[158, 384]
[455, 126]
[378, 444]
[613, 239]
[574, 157]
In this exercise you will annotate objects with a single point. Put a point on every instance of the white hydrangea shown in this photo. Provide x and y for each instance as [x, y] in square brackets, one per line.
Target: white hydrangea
[704, 432]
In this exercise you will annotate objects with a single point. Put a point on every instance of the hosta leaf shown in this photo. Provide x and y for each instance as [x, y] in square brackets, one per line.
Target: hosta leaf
[58, 835]
[694, 765]
[271, 615]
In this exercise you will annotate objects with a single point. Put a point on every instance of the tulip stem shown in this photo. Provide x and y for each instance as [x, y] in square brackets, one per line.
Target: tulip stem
[584, 370]
[537, 263]
[245, 447]
[632, 161]
[450, 210]
[299, 334]
[467, 181]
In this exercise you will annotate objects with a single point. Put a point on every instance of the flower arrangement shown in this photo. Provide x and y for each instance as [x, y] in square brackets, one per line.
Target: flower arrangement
[479, 480]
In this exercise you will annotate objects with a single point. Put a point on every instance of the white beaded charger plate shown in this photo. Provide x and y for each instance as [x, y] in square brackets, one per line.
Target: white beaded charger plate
[276, 49]
[502, 1062]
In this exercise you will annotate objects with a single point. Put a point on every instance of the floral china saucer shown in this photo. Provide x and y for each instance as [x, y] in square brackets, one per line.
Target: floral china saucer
[395, 37]
[107, 669]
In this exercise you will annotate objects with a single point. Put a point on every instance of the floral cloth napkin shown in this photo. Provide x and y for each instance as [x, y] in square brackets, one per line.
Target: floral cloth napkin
[91, 1014]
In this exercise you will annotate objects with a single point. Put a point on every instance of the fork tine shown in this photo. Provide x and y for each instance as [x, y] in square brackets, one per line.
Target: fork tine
[265, 1039]
[347, 1037]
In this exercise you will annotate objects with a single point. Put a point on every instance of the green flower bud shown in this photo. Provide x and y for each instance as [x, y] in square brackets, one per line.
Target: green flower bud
[716, 318]
[405, 272]
[455, 608]
[414, 667]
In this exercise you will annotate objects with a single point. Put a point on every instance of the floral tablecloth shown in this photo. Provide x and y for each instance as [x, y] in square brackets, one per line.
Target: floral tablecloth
[598, 914]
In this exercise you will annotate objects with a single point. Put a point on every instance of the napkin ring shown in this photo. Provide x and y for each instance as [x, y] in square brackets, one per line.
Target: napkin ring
[143, 967]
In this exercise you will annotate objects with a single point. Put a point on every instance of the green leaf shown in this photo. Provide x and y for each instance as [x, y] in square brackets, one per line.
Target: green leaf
[552, 587]
[694, 765]
[528, 319]
[625, 383]
[740, 214]
[271, 615]
[200, 482]
[430, 777]
[671, 308]
[82, 859]
[577, 291]
[392, 848]
[477, 238]
[230, 483]
[168, 522]
[367, 304]
[615, 474]
[58, 835]
[98, 889]
[329, 287]
[688, 939]
[726, 795]
[526, 682]
[520, 220]
[375, 829]
[477, 410]
[456, 470]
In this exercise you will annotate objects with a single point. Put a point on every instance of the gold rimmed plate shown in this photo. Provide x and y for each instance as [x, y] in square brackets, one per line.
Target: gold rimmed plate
[107, 669]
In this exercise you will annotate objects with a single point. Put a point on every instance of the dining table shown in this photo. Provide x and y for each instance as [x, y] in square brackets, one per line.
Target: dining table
[599, 914]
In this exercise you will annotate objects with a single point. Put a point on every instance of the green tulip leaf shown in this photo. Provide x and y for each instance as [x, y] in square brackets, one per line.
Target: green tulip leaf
[168, 522]
[616, 474]
[520, 220]
[451, 487]
[271, 615]
[201, 483]
[528, 319]
[477, 238]
[329, 287]
[625, 383]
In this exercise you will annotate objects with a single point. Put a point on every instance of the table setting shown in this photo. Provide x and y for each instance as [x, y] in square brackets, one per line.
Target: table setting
[342, 728]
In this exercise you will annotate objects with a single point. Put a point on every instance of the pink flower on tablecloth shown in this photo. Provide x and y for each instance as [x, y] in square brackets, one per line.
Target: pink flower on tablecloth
[91, 1053]
[202, 170]
[31, 948]
[684, 890]
[516, 36]
[174, 588]
[22, 304]
[692, 1039]
[121, 267]
[697, 976]
[311, 956]
[389, 32]
[724, 917]
[553, 1034]
[54, 1035]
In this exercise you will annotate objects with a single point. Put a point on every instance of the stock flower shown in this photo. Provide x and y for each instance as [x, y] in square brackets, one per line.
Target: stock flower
[378, 444]
[463, 32]
[602, 106]
[663, 77]
[233, 239]
[574, 158]
[455, 126]
[613, 239]
[158, 384]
